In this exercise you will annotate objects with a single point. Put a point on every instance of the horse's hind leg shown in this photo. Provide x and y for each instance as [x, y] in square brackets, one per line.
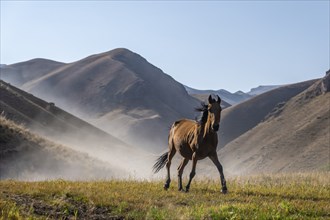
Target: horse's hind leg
[171, 154]
[180, 171]
[193, 171]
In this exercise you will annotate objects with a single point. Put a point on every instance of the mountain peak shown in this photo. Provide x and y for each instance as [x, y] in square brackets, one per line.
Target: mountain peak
[120, 50]
[126, 56]
[239, 92]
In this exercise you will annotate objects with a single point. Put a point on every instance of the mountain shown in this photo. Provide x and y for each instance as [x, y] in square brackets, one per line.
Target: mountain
[52, 123]
[118, 91]
[238, 119]
[228, 97]
[294, 137]
[27, 156]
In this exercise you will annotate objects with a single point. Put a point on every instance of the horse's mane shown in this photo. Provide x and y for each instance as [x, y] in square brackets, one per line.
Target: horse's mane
[205, 112]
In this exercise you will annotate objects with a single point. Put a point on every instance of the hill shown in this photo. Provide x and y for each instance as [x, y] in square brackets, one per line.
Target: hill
[294, 137]
[27, 156]
[119, 91]
[238, 119]
[49, 121]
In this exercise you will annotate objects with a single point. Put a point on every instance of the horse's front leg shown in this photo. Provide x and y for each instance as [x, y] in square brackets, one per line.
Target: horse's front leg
[215, 160]
[193, 171]
[180, 171]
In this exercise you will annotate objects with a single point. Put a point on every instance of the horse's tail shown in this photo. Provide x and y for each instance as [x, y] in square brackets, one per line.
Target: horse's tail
[160, 162]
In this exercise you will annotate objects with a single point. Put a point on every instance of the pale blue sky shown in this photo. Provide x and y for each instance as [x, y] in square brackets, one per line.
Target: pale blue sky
[233, 45]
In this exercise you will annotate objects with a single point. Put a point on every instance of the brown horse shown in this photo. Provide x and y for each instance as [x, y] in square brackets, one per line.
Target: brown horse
[194, 141]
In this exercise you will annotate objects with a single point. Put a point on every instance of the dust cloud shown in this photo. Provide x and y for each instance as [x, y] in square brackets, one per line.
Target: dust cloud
[111, 159]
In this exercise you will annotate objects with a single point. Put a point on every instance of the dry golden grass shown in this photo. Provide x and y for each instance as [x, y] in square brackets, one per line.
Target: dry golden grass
[282, 196]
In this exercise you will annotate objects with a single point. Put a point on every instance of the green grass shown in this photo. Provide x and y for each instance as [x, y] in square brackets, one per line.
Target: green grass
[282, 196]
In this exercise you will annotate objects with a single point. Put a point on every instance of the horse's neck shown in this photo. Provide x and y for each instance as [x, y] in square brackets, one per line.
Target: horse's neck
[205, 129]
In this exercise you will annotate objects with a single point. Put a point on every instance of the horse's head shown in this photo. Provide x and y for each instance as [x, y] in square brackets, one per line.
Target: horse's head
[214, 110]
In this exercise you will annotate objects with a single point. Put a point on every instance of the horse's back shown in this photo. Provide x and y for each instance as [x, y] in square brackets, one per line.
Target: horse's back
[183, 126]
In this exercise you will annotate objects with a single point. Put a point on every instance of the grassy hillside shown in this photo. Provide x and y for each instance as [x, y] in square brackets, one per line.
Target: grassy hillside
[294, 137]
[238, 119]
[290, 196]
[27, 156]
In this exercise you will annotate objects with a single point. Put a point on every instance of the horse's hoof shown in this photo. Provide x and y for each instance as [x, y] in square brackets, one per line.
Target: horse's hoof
[166, 186]
[180, 190]
[224, 191]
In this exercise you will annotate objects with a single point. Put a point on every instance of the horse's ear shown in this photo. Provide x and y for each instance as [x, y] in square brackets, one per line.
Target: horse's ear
[211, 100]
[219, 100]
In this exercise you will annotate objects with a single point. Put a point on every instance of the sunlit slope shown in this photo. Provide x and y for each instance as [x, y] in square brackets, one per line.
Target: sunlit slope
[295, 137]
[27, 156]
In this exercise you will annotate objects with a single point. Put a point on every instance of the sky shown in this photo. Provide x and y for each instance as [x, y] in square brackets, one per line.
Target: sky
[232, 45]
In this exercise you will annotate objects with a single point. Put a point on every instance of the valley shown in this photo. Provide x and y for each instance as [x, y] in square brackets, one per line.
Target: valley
[118, 108]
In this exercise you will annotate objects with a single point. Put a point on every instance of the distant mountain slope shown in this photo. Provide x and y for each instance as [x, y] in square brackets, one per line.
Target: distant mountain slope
[27, 156]
[261, 89]
[227, 97]
[20, 73]
[119, 91]
[204, 97]
[238, 119]
[295, 137]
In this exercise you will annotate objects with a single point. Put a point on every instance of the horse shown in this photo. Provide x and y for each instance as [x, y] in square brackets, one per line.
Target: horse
[194, 140]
